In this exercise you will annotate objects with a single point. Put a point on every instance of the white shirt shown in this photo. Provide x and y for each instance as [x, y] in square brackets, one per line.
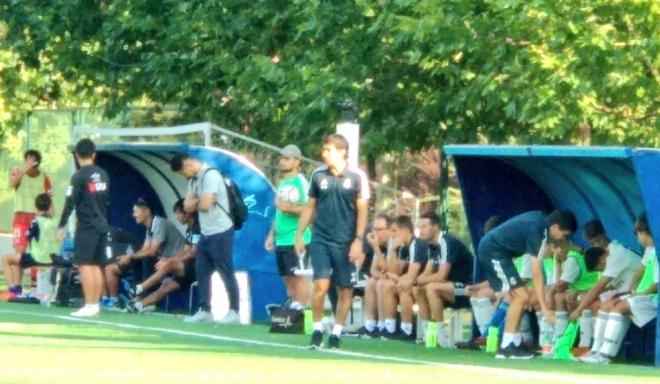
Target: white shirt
[621, 265]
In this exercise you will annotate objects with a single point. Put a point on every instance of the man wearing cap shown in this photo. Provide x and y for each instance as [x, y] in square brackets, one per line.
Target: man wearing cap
[163, 239]
[290, 202]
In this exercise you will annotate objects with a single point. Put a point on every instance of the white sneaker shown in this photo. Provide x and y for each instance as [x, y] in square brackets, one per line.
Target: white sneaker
[200, 317]
[230, 318]
[86, 311]
[595, 358]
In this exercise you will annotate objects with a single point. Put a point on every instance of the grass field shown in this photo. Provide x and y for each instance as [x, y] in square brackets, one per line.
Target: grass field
[45, 345]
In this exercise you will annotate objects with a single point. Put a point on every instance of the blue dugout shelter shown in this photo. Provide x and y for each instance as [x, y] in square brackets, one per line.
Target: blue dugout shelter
[613, 184]
[143, 170]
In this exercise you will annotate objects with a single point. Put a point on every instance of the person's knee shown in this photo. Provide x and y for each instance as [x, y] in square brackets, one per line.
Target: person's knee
[521, 295]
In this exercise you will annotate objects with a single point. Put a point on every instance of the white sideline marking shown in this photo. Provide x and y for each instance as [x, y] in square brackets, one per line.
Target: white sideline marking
[509, 373]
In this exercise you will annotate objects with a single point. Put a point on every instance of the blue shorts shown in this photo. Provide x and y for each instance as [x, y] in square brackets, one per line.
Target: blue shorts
[330, 261]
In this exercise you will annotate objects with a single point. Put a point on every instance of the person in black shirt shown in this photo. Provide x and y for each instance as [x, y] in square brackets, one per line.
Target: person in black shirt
[405, 260]
[338, 202]
[89, 195]
[445, 276]
[526, 233]
[375, 250]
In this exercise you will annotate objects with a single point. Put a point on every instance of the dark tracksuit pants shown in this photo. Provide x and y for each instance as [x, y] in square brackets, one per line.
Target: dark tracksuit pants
[214, 253]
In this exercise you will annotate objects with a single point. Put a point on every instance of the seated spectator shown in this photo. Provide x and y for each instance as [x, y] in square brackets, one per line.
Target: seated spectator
[618, 265]
[43, 246]
[640, 306]
[375, 249]
[163, 240]
[175, 272]
[447, 272]
[404, 263]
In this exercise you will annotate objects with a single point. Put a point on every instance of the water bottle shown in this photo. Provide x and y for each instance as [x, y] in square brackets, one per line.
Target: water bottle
[308, 319]
[492, 340]
[432, 334]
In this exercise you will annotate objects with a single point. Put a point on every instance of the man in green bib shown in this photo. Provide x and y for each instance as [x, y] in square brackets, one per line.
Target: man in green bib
[42, 245]
[290, 201]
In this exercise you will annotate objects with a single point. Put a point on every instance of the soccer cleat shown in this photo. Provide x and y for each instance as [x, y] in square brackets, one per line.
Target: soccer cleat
[333, 342]
[474, 344]
[514, 353]
[398, 335]
[86, 311]
[317, 340]
[230, 318]
[200, 317]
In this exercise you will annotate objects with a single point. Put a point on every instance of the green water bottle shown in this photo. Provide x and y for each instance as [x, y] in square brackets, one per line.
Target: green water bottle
[432, 335]
[492, 340]
[308, 318]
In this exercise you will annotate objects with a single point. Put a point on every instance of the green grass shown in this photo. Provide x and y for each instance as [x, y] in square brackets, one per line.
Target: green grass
[39, 344]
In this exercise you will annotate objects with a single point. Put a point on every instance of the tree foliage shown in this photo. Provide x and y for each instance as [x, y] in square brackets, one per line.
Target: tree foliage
[422, 72]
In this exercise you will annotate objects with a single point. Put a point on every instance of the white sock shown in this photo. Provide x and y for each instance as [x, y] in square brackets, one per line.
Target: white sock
[483, 310]
[370, 325]
[507, 339]
[380, 325]
[390, 325]
[615, 331]
[296, 305]
[407, 328]
[138, 289]
[421, 330]
[545, 330]
[517, 339]
[586, 328]
[139, 306]
[104, 297]
[561, 323]
[336, 329]
[599, 331]
[442, 336]
[93, 306]
[318, 326]
[526, 328]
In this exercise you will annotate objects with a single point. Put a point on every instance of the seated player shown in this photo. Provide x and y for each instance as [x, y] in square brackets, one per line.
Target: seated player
[404, 263]
[375, 250]
[43, 245]
[175, 272]
[618, 265]
[447, 272]
[163, 239]
[640, 306]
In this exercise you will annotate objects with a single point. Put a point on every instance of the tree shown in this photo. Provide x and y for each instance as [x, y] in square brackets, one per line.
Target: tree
[423, 72]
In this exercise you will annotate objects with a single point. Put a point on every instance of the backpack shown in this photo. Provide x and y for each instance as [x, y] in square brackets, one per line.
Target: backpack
[68, 288]
[238, 211]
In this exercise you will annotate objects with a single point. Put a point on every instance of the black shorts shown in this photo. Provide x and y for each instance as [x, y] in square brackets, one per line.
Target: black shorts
[90, 247]
[27, 261]
[461, 299]
[287, 260]
[331, 262]
[498, 266]
[188, 276]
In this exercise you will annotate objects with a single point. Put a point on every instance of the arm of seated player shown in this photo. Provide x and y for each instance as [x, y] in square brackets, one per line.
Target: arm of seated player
[636, 278]
[187, 252]
[378, 265]
[149, 249]
[408, 279]
[424, 277]
[590, 297]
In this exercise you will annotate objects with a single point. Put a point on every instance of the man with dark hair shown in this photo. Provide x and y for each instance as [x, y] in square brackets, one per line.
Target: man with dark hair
[405, 260]
[640, 306]
[207, 195]
[526, 233]
[375, 250]
[445, 276]
[290, 202]
[28, 182]
[338, 204]
[163, 241]
[176, 271]
[89, 195]
[619, 268]
[42, 246]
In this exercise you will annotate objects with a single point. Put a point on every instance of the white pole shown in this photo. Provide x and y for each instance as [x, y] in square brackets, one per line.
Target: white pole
[351, 131]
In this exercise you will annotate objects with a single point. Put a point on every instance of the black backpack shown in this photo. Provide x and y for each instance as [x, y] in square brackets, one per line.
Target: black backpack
[238, 211]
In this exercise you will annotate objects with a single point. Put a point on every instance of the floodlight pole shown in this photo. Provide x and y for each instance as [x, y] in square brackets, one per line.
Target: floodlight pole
[350, 129]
